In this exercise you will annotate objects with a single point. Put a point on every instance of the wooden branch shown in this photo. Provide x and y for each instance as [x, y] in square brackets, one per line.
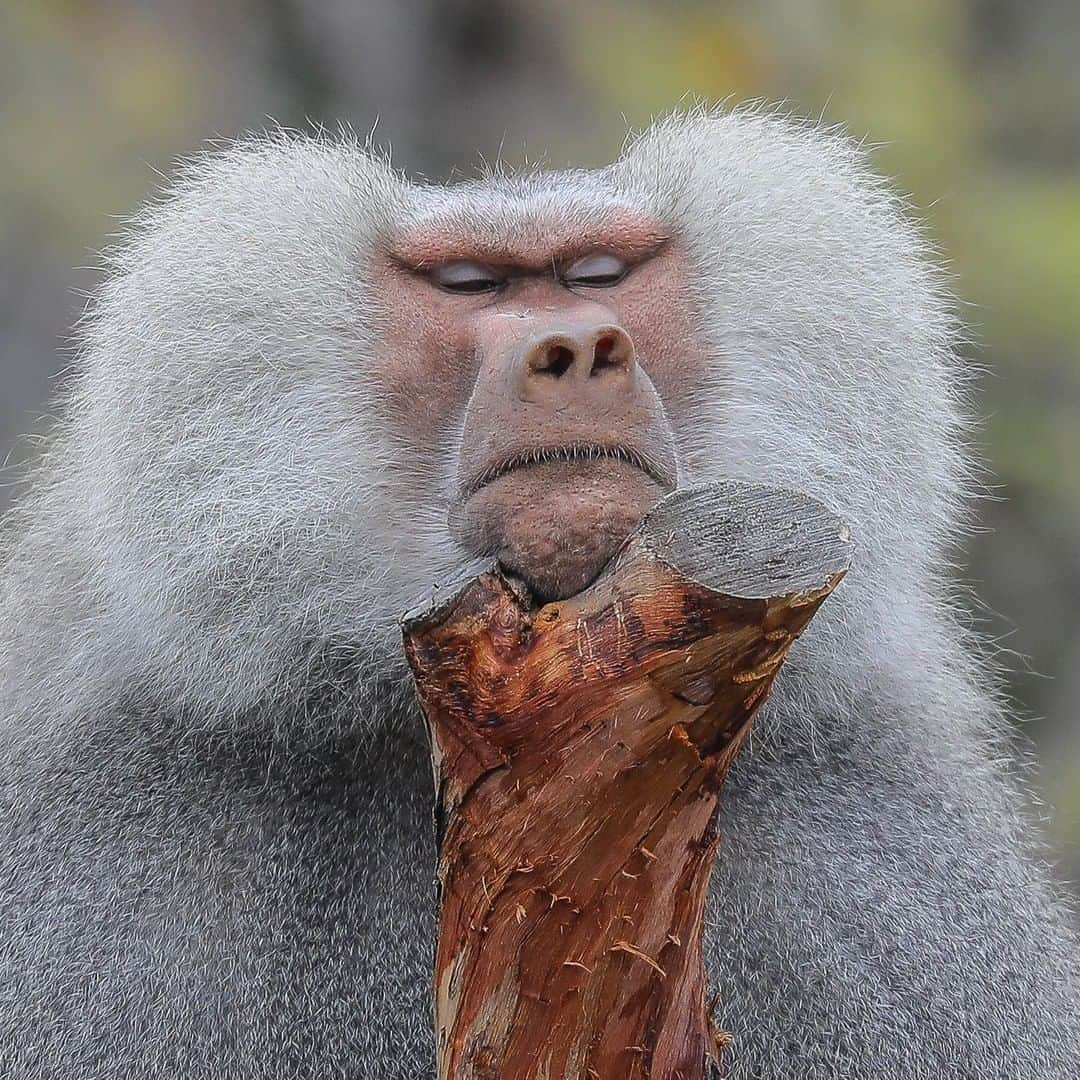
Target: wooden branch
[579, 749]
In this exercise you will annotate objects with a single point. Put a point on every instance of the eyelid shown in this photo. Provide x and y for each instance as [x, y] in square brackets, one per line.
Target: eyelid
[597, 264]
[457, 274]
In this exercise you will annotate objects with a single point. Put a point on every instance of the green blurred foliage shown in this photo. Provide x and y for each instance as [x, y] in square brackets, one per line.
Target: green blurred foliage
[81, 88]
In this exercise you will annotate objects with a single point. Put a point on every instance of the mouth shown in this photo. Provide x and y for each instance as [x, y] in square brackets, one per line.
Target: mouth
[568, 454]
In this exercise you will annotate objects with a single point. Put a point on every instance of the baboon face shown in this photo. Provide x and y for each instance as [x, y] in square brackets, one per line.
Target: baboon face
[555, 357]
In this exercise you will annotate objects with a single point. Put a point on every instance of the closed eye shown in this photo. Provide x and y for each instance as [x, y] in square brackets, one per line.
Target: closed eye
[466, 276]
[599, 270]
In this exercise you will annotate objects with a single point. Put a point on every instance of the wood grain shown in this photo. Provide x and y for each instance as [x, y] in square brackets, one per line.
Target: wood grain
[579, 751]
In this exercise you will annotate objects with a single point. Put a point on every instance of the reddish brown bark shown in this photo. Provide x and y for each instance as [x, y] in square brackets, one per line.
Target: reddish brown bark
[579, 751]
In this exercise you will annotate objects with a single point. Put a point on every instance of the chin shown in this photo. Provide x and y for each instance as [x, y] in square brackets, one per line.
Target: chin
[556, 525]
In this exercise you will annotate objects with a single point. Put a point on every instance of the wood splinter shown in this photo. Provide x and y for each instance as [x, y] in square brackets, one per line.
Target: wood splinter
[579, 750]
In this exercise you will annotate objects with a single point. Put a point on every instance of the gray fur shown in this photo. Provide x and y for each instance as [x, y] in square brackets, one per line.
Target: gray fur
[217, 850]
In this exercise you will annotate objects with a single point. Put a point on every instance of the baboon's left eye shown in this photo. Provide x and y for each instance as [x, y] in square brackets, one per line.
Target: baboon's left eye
[597, 270]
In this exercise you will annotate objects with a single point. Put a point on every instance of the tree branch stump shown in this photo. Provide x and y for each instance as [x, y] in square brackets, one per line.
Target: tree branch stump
[579, 750]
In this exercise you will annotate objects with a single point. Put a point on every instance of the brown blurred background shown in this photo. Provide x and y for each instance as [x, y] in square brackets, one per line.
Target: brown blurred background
[974, 106]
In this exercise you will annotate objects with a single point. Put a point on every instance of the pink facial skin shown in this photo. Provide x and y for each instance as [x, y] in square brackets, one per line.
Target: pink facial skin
[558, 392]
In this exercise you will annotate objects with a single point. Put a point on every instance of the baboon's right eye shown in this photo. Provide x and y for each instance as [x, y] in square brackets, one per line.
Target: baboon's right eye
[465, 276]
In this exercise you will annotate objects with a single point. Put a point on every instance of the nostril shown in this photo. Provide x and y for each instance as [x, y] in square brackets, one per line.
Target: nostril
[558, 360]
[602, 355]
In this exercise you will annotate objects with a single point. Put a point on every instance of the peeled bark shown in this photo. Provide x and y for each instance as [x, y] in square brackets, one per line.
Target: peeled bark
[579, 751]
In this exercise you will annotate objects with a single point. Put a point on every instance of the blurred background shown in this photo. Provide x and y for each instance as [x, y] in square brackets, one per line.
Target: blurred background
[974, 106]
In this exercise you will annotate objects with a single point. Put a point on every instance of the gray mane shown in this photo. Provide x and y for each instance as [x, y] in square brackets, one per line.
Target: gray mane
[220, 540]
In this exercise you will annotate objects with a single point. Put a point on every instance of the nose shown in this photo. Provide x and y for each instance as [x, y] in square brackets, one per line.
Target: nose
[579, 352]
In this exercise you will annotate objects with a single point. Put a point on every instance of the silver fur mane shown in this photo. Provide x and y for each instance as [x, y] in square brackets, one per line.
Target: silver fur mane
[221, 515]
